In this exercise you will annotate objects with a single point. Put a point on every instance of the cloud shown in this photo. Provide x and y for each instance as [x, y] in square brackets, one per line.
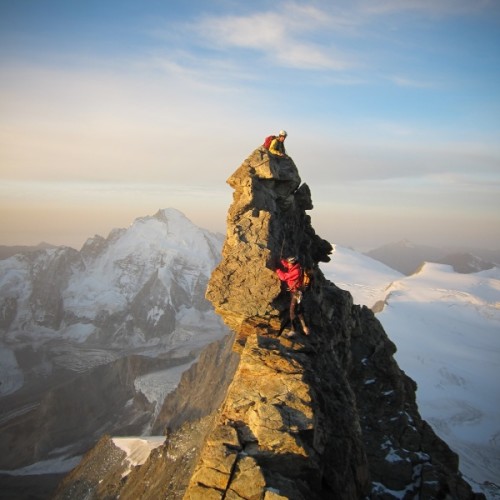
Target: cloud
[345, 41]
[319, 44]
[279, 35]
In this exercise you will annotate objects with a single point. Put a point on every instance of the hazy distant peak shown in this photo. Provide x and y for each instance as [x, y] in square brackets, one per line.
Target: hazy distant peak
[466, 262]
[7, 251]
[170, 213]
[405, 256]
[43, 245]
[405, 242]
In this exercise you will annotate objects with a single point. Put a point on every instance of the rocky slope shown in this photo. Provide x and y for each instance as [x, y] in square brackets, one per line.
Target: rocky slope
[325, 416]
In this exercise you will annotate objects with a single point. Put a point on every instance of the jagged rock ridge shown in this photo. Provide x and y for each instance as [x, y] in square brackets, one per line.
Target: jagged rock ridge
[325, 416]
[331, 416]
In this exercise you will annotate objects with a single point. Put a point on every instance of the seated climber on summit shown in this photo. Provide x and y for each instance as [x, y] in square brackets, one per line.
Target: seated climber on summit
[292, 274]
[277, 146]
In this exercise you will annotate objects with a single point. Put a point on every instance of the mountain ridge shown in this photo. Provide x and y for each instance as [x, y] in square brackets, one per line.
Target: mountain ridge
[350, 356]
[426, 314]
[325, 416]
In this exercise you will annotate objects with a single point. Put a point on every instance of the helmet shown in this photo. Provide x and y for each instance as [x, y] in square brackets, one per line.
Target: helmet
[292, 259]
[283, 133]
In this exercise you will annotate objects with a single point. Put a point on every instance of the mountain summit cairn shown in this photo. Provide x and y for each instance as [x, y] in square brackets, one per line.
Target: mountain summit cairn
[327, 416]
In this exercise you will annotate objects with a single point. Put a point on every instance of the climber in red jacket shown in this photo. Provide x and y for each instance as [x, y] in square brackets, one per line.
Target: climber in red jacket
[292, 275]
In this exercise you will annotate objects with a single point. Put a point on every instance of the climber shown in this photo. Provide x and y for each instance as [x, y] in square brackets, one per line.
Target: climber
[292, 275]
[277, 147]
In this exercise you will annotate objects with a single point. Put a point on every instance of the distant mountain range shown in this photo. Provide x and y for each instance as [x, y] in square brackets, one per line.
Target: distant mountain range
[7, 251]
[92, 341]
[403, 256]
[407, 257]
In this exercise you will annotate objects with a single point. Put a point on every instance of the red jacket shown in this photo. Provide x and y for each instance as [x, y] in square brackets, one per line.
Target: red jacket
[292, 274]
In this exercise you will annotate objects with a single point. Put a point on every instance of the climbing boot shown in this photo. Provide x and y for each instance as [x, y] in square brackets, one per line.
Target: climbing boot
[304, 327]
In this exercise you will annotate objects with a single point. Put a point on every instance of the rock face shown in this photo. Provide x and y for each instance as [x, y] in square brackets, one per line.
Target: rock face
[324, 416]
[330, 415]
[186, 417]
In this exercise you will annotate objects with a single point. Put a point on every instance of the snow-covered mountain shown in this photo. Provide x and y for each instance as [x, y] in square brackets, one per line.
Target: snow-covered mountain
[91, 341]
[126, 290]
[131, 289]
[446, 327]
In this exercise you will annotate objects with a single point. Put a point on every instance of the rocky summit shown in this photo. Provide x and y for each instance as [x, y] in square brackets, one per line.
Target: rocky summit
[324, 416]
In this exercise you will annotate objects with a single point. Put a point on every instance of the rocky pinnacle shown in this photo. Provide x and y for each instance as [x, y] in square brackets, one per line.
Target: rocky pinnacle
[330, 415]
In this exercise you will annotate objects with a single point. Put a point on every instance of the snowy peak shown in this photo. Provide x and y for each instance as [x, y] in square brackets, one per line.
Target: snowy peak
[128, 287]
[168, 233]
[367, 279]
[440, 283]
[93, 341]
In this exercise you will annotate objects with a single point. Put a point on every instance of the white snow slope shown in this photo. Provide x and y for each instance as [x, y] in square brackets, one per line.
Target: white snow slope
[446, 327]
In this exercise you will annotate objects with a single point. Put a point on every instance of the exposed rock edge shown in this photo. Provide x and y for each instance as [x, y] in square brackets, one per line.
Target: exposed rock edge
[325, 416]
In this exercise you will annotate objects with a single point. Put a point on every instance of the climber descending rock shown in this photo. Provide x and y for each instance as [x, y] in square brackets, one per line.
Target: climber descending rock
[293, 276]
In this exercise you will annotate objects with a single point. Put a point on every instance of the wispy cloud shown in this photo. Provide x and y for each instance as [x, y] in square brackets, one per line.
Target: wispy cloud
[339, 40]
[280, 35]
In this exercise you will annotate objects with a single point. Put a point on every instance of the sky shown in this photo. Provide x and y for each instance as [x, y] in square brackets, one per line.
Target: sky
[112, 110]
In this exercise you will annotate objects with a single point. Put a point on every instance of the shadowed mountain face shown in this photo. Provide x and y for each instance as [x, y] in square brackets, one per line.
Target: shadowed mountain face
[329, 415]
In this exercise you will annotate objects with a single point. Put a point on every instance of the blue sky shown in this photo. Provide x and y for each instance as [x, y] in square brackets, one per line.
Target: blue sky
[112, 110]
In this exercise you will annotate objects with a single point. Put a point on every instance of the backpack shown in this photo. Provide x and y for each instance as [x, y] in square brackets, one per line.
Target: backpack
[306, 279]
[268, 140]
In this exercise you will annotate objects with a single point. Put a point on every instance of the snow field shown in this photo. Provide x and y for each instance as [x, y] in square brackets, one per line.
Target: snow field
[446, 327]
[137, 449]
